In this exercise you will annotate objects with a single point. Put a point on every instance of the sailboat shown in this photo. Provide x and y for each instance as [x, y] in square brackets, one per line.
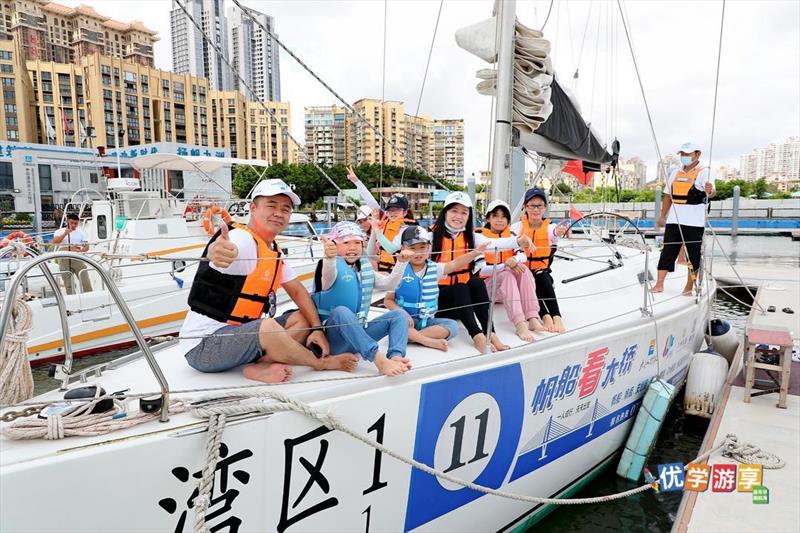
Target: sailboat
[320, 453]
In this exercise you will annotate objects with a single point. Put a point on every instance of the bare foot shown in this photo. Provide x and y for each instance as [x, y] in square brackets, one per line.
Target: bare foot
[657, 288]
[558, 325]
[268, 372]
[498, 345]
[344, 361]
[523, 332]
[391, 367]
[479, 341]
[405, 360]
[535, 325]
[548, 325]
[436, 344]
[687, 290]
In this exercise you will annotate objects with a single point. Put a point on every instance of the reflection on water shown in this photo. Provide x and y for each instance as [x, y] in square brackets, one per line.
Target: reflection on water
[756, 250]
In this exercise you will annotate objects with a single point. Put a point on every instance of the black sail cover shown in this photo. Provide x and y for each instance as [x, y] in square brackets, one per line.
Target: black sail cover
[567, 132]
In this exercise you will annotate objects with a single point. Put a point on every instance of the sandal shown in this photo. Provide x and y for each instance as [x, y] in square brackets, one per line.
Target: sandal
[788, 310]
[771, 308]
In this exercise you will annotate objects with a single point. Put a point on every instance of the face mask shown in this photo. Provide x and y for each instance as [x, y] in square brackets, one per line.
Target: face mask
[686, 160]
[452, 230]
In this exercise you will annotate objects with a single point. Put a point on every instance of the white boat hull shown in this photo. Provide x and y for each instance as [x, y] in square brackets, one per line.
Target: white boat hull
[527, 421]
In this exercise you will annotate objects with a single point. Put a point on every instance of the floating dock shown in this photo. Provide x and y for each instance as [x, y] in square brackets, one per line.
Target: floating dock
[760, 423]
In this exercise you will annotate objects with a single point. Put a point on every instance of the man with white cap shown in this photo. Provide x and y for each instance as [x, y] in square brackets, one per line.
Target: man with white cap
[684, 211]
[236, 286]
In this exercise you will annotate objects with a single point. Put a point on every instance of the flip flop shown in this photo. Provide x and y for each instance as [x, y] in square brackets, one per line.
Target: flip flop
[788, 310]
[771, 308]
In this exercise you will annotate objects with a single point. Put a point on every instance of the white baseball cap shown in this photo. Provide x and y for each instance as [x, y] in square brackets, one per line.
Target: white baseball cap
[690, 147]
[494, 204]
[275, 187]
[363, 212]
[458, 197]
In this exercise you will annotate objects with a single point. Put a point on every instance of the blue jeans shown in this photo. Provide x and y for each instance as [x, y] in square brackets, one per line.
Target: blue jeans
[346, 334]
[447, 323]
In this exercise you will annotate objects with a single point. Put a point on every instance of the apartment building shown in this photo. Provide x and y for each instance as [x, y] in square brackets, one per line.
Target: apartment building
[334, 135]
[326, 134]
[105, 101]
[777, 159]
[47, 31]
[254, 54]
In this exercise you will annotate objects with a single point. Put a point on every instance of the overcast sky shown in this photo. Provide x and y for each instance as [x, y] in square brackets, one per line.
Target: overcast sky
[676, 44]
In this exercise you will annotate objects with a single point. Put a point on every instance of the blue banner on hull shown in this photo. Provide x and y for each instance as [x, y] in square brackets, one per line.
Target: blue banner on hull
[468, 426]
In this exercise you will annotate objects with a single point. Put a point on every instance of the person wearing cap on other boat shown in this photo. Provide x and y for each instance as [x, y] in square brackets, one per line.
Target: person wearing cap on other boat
[73, 239]
[343, 285]
[516, 288]
[683, 210]
[395, 218]
[462, 293]
[543, 235]
[363, 219]
[418, 290]
[236, 286]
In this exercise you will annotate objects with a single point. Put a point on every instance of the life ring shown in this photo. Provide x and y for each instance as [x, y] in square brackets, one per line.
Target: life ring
[21, 236]
[209, 214]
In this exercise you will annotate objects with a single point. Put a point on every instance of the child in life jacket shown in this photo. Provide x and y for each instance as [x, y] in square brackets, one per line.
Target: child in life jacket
[395, 217]
[544, 236]
[343, 285]
[418, 290]
[462, 293]
[516, 287]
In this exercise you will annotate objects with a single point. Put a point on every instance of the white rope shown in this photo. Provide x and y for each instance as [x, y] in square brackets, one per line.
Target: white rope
[78, 421]
[217, 414]
[16, 380]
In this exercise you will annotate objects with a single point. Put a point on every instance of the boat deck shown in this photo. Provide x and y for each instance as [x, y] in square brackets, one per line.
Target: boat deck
[761, 423]
[591, 306]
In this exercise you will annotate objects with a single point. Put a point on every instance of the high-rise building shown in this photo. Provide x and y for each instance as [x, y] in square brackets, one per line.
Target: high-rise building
[364, 145]
[325, 134]
[632, 174]
[435, 147]
[191, 52]
[254, 54]
[777, 159]
[47, 31]
[105, 101]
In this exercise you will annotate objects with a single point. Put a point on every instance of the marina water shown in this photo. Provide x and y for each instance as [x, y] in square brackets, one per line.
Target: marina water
[679, 441]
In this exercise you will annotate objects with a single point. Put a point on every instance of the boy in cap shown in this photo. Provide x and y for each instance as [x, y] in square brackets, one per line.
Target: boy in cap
[418, 291]
[343, 285]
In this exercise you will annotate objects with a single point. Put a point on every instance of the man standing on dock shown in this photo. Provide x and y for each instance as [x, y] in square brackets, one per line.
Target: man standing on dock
[684, 212]
[73, 239]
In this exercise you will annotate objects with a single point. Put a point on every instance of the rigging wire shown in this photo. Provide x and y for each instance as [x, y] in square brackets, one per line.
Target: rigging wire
[425, 75]
[330, 89]
[547, 17]
[383, 95]
[583, 42]
[270, 112]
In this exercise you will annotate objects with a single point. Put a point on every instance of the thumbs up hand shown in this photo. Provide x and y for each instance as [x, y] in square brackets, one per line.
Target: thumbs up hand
[329, 247]
[222, 252]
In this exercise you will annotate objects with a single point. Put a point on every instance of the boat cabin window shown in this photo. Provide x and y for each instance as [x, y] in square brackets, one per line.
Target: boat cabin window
[299, 229]
[102, 227]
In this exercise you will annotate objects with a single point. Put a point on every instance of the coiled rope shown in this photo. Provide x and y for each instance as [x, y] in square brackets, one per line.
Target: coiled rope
[16, 380]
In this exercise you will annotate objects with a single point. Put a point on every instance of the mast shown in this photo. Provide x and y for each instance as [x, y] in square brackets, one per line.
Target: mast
[501, 160]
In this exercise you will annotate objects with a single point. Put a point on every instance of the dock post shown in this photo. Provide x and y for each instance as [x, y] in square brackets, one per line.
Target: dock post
[735, 212]
[658, 206]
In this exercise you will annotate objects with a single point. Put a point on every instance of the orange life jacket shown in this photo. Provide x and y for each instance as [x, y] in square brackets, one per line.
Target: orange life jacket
[683, 189]
[541, 242]
[390, 229]
[452, 249]
[237, 299]
[500, 256]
